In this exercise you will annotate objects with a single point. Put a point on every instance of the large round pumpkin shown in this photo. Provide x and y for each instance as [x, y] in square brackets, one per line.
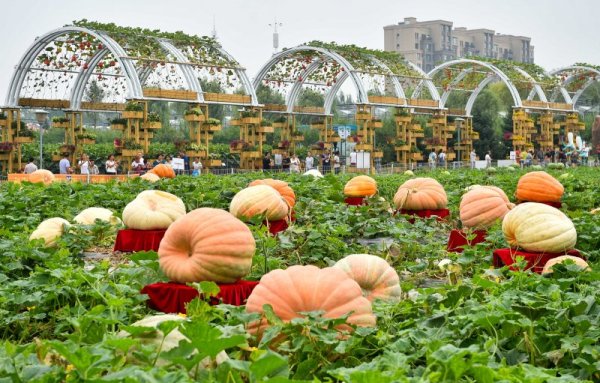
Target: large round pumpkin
[482, 206]
[50, 230]
[360, 186]
[157, 339]
[583, 265]
[376, 278]
[41, 176]
[421, 194]
[150, 177]
[281, 186]
[163, 171]
[207, 245]
[539, 187]
[153, 210]
[540, 228]
[91, 214]
[307, 288]
[259, 200]
[315, 173]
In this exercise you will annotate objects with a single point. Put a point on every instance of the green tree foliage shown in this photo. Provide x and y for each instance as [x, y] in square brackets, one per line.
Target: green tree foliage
[488, 122]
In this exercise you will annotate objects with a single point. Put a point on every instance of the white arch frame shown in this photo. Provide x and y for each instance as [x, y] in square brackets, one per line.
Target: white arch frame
[566, 96]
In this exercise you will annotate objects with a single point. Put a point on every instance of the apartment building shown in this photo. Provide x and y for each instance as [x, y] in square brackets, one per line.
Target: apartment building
[428, 43]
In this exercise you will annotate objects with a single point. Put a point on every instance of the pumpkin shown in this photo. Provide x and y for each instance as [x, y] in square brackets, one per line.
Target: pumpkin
[153, 210]
[583, 265]
[409, 173]
[41, 176]
[163, 171]
[50, 230]
[315, 173]
[307, 288]
[539, 187]
[376, 278]
[281, 186]
[421, 194]
[207, 245]
[259, 200]
[482, 206]
[91, 214]
[360, 186]
[157, 339]
[537, 227]
[150, 177]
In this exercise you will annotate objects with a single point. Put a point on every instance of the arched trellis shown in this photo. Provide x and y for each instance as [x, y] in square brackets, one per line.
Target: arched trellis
[134, 79]
[572, 75]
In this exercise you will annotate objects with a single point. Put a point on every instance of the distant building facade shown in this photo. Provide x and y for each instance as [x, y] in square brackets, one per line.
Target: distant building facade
[429, 43]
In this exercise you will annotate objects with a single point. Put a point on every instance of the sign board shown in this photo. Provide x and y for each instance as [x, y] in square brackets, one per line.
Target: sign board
[513, 155]
[345, 131]
[178, 164]
[363, 160]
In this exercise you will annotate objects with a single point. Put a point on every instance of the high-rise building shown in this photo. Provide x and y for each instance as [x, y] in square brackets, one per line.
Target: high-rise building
[429, 43]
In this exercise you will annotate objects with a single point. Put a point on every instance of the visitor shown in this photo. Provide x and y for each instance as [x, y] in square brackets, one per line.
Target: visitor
[186, 161]
[159, 160]
[540, 156]
[64, 166]
[197, 167]
[110, 166]
[30, 167]
[141, 156]
[562, 156]
[336, 162]
[267, 161]
[295, 164]
[442, 158]
[94, 168]
[518, 156]
[277, 160]
[326, 161]
[309, 162]
[84, 164]
[529, 158]
[353, 156]
[488, 159]
[524, 154]
[584, 154]
[575, 158]
[285, 162]
[137, 165]
[169, 161]
[473, 158]
[81, 161]
[432, 159]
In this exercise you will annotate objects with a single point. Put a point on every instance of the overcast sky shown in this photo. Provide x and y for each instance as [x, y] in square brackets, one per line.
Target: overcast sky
[563, 32]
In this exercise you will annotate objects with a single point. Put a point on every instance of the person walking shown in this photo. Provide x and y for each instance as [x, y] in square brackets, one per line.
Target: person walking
[472, 158]
[432, 159]
[488, 159]
[30, 167]
[442, 158]
[336, 162]
[64, 166]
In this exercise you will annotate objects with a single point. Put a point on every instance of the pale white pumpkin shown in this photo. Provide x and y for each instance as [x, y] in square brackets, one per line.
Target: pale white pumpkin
[314, 173]
[539, 228]
[153, 210]
[91, 214]
[170, 341]
[376, 278]
[150, 177]
[50, 230]
[583, 265]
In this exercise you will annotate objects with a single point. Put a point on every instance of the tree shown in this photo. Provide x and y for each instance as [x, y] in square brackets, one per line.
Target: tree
[95, 93]
[488, 122]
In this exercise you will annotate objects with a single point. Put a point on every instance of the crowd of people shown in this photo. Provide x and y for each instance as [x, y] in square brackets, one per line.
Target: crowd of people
[328, 162]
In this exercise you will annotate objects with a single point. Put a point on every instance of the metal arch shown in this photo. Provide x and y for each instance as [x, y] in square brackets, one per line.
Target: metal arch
[478, 89]
[297, 87]
[581, 90]
[458, 78]
[330, 97]
[536, 87]
[24, 64]
[242, 75]
[83, 78]
[188, 74]
[564, 91]
[426, 80]
[511, 87]
[362, 93]
[397, 86]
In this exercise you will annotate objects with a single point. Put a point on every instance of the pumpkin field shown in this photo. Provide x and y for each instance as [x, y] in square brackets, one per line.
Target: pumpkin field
[365, 293]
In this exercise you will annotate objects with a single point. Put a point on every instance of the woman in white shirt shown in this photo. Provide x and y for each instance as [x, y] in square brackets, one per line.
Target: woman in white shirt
[197, 167]
[111, 165]
[84, 165]
[295, 164]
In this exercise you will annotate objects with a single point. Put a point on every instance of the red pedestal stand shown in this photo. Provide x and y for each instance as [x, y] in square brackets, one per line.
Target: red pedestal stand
[355, 201]
[439, 214]
[130, 240]
[557, 205]
[172, 297]
[458, 239]
[535, 261]
[276, 226]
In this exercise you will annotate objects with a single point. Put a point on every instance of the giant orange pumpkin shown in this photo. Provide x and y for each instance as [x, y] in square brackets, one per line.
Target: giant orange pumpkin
[307, 288]
[163, 171]
[281, 186]
[421, 194]
[376, 278]
[539, 187]
[360, 186]
[41, 176]
[482, 206]
[206, 245]
[259, 200]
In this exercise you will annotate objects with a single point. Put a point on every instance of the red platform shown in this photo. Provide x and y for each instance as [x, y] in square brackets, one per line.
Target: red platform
[557, 205]
[130, 240]
[458, 239]
[535, 261]
[439, 214]
[276, 226]
[172, 297]
[355, 201]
